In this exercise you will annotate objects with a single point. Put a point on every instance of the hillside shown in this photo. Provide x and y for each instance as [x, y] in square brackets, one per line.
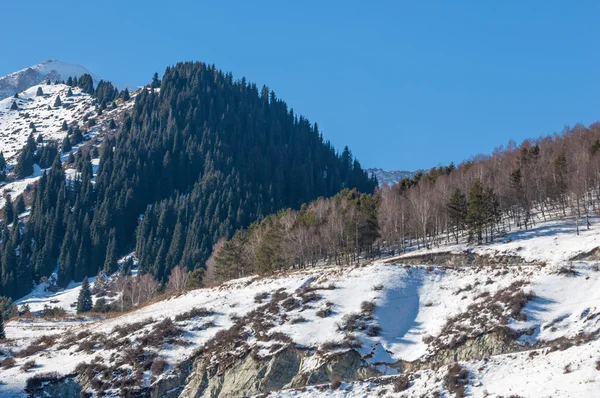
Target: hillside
[52, 70]
[526, 304]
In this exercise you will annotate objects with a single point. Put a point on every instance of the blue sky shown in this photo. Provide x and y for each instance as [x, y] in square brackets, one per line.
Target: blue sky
[405, 85]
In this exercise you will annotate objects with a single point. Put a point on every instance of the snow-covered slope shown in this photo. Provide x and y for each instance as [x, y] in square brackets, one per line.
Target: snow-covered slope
[49, 70]
[40, 110]
[538, 290]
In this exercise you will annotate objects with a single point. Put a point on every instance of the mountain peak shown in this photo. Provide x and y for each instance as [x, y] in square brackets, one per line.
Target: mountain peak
[52, 69]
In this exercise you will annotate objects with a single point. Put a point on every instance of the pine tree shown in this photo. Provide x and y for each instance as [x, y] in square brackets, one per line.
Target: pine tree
[64, 126]
[69, 93]
[2, 334]
[14, 106]
[84, 301]
[70, 81]
[57, 101]
[9, 212]
[20, 206]
[16, 95]
[112, 125]
[110, 262]
[66, 145]
[40, 92]
[125, 95]
[155, 81]
[2, 161]
[40, 139]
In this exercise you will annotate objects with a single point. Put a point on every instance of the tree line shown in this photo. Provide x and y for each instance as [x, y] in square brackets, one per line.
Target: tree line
[517, 186]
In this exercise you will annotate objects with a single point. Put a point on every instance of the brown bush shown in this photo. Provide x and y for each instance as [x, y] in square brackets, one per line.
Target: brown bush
[37, 382]
[290, 303]
[336, 383]
[401, 383]
[260, 297]
[27, 366]
[193, 313]
[455, 380]
[367, 307]
[8, 363]
[158, 366]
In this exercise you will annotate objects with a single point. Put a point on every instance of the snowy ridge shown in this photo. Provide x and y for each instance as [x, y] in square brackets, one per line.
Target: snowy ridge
[49, 70]
[417, 307]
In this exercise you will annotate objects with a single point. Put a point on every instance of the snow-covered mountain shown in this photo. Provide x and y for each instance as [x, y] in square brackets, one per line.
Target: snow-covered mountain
[519, 317]
[49, 70]
[390, 177]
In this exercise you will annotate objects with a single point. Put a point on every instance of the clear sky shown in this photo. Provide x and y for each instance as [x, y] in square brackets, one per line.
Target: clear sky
[406, 84]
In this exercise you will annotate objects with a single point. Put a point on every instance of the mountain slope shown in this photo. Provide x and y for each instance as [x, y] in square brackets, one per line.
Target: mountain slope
[52, 70]
[318, 325]
[41, 112]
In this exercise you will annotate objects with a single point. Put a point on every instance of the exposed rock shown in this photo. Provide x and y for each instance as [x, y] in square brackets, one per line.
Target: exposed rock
[251, 375]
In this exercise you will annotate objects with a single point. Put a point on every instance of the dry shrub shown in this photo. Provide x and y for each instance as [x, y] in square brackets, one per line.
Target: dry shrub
[290, 304]
[27, 366]
[336, 383]
[260, 297]
[401, 383]
[158, 366]
[130, 328]
[455, 380]
[308, 297]
[367, 307]
[165, 331]
[8, 363]
[193, 313]
[37, 382]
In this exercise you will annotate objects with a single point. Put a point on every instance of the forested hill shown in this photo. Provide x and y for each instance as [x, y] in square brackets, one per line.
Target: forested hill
[200, 157]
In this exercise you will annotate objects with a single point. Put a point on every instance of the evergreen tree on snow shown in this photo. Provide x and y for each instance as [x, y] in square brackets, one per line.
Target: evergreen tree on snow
[40, 92]
[84, 301]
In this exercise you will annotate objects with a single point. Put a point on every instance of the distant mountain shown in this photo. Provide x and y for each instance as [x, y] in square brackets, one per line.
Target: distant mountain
[50, 70]
[390, 177]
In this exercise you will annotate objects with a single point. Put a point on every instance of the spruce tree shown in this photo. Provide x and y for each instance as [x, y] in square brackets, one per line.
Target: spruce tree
[57, 101]
[66, 145]
[2, 161]
[155, 81]
[20, 205]
[84, 301]
[69, 93]
[64, 126]
[125, 95]
[2, 334]
[40, 139]
[110, 262]
[14, 106]
[40, 92]
[70, 81]
[112, 125]
[16, 95]
[9, 212]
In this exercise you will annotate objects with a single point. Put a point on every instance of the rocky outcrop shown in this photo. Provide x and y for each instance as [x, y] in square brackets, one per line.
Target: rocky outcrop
[288, 368]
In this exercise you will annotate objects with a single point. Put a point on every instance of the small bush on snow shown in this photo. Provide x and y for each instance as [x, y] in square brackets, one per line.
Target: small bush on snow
[27, 366]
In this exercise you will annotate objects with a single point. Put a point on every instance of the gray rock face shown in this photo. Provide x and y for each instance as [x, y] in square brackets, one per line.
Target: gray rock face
[250, 375]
